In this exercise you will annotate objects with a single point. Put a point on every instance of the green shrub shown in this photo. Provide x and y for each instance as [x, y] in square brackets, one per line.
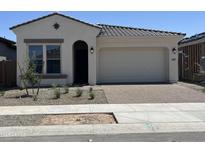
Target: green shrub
[56, 91]
[21, 88]
[66, 89]
[90, 89]
[2, 93]
[204, 89]
[91, 96]
[78, 92]
[54, 85]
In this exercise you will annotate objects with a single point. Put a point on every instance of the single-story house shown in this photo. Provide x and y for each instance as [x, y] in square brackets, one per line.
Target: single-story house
[7, 49]
[192, 57]
[70, 51]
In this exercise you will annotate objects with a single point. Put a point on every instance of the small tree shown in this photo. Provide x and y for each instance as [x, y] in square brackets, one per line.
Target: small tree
[29, 78]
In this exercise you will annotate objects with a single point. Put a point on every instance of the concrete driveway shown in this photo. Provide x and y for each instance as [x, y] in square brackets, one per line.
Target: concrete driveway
[153, 93]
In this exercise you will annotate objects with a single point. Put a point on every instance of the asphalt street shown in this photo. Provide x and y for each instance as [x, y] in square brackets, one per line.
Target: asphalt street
[144, 137]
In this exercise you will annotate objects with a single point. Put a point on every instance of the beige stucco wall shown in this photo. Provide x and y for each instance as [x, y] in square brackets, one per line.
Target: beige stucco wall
[71, 31]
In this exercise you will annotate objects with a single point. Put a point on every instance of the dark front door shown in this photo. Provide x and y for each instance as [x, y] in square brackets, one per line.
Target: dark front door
[80, 62]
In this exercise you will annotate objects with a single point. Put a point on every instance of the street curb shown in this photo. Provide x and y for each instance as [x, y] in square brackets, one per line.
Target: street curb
[104, 129]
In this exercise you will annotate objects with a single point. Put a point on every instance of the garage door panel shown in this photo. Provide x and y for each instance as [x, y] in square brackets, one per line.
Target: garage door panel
[132, 65]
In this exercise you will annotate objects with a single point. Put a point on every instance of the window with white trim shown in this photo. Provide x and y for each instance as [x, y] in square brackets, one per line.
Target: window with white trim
[53, 58]
[36, 57]
[48, 53]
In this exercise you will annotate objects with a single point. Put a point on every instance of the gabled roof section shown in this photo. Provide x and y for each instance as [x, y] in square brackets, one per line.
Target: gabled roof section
[193, 38]
[121, 31]
[52, 14]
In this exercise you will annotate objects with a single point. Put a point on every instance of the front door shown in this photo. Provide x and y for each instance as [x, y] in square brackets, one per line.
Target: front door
[80, 62]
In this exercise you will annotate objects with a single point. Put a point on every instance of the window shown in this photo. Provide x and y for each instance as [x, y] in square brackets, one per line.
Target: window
[53, 58]
[50, 54]
[36, 56]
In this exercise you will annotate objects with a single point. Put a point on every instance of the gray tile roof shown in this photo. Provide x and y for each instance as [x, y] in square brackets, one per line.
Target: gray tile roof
[111, 30]
[193, 38]
[121, 31]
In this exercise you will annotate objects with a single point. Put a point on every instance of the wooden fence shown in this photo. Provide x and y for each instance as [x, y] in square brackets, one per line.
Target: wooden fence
[189, 60]
[7, 73]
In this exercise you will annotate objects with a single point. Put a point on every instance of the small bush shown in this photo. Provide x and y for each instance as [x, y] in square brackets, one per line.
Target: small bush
[204, 89]
[91, 96]
[90, 89]
[2, 93]
[21, 88]
[54, 85]
[78, 92]
[35, 97]
[56, 91]
[66, 89]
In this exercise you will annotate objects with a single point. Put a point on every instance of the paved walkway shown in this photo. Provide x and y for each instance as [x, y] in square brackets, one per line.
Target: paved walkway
[153, 93]
[132, 118]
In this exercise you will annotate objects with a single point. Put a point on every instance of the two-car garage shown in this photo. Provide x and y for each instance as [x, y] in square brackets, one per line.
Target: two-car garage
[133, 65]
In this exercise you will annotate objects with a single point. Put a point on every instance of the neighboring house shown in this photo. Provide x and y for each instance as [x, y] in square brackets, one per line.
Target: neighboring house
[74, 51]
[7, 62]
[7, 49]
[192, 57]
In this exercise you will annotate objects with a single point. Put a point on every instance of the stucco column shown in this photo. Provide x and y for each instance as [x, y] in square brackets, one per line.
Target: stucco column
[92, 65]
[173, 64]
[21, 58]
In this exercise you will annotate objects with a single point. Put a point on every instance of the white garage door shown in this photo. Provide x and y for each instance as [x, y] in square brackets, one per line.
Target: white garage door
[134, 65]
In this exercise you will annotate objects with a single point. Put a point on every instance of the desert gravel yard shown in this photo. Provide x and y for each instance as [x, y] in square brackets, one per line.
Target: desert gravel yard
[112, 94]
[15, 98]
[154, 93]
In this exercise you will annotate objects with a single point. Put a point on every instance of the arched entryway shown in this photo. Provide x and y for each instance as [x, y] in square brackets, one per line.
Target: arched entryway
[80, 58]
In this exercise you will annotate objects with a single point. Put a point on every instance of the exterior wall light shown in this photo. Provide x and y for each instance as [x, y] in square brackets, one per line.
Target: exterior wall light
[174, 50]
[91, 50]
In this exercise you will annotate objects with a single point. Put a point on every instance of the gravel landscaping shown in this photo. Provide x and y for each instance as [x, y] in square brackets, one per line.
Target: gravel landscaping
[59, 119]
[17, 97]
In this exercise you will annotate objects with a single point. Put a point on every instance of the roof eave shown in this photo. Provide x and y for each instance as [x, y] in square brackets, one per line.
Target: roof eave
[7, 41]
[49, 15]
[145, 36]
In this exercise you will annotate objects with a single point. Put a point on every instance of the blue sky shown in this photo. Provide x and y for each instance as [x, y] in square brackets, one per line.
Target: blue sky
[186, 22]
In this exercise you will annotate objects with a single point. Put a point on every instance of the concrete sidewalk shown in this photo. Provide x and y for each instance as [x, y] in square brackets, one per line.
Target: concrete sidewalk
[132, 118]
